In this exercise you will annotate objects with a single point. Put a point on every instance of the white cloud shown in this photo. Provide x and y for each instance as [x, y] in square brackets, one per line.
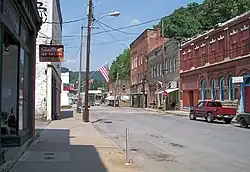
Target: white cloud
[134, 22]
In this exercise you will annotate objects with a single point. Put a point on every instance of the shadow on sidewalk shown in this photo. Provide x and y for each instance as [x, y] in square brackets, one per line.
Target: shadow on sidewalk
[58, 151]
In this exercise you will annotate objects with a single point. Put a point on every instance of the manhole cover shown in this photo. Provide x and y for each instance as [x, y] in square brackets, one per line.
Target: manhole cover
[49, 158]
[49, 154]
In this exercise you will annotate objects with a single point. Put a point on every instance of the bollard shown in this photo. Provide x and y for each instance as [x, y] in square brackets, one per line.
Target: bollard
[127, 148]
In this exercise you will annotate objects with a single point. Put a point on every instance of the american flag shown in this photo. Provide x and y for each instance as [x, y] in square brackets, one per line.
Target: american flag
[105, 71]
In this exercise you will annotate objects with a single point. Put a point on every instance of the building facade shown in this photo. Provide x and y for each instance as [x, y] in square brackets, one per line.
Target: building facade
[139, 48]
[19, 25]
[48, 74]
[164, 75]
[211, 60]
[65, 92]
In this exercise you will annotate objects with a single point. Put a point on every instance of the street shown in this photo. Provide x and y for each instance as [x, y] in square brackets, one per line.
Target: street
[163, 143]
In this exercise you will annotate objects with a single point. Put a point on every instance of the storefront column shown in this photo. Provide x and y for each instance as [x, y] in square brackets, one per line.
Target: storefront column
[1, 62]
[49, 94]
[32, 84]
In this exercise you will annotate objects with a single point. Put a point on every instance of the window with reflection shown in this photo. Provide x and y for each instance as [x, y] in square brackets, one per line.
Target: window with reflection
[23, 90]
[9, 124]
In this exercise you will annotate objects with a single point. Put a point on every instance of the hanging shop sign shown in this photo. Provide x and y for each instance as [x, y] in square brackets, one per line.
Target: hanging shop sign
[51, 53]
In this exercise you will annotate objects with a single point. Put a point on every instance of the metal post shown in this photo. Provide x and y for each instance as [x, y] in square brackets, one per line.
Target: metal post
[86, 101]
[79, 103]
[116, 82]
[163, 64]
[127, 147]
[143, 83]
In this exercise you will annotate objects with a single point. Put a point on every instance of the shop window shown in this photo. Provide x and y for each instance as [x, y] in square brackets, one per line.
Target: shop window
[203, 89]
[213, 91]
[23, 90]
[9, 124]
[222, 89]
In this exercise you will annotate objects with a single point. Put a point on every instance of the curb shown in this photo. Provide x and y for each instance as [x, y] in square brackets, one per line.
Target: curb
[8, 165]
[167, 112]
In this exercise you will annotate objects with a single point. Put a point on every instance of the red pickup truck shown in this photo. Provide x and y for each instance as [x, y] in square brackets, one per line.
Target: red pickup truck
[211, 110]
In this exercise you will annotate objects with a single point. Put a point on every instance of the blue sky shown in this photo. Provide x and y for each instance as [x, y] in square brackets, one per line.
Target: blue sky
[104, 47]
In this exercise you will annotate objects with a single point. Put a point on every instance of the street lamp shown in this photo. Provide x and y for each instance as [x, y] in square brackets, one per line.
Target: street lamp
[85, 115]
[112, 14]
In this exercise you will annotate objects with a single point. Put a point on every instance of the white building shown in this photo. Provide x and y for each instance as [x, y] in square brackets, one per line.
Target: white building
[64, 93]
[48, 74]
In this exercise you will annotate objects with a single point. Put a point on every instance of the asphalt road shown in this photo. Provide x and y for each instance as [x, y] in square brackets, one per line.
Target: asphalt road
[164, 143]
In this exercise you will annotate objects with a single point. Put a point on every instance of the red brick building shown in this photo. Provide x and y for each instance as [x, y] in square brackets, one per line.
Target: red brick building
[209, 61]
[139, 48]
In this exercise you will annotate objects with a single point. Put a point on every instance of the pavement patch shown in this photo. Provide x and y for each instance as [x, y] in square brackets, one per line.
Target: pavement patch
[155, 136]
[163, 157]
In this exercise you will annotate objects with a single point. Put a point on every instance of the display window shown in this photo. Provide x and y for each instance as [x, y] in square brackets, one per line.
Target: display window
[9, 120]
[23, 90]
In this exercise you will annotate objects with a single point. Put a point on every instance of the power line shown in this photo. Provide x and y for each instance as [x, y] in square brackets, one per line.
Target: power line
[117, 29]
[67, 22]
[112, 35]
[126, 27]
[120, 28]
[101, 43]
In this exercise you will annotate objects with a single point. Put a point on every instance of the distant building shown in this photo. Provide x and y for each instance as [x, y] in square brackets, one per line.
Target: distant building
[139, 49]
[65, 92]
[164, 75]
[211, 60]
[48, 74]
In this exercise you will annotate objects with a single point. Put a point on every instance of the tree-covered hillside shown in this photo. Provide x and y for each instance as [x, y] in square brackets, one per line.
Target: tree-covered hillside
[197, 18]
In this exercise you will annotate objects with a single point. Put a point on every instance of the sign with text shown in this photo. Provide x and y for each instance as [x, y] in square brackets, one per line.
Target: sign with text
[51, 53]
[238, 79]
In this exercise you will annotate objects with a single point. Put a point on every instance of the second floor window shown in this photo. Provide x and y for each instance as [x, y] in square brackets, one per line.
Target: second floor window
[166, 67]
[170, 66]
[174, 64]
[157, 70]
[160, 70]
[152, 71]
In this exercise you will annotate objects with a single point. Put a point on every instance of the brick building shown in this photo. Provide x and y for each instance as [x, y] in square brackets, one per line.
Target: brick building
[139, 48]
[164, 70]
[209, 61]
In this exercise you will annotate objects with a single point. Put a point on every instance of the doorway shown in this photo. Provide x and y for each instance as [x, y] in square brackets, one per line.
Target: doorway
[247, 95]
[191, 98]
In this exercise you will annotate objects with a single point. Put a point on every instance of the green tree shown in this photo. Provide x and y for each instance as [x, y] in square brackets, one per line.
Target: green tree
[121, 65]
[197, 18]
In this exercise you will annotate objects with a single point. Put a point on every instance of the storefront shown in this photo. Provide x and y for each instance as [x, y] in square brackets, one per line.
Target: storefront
[19, 24]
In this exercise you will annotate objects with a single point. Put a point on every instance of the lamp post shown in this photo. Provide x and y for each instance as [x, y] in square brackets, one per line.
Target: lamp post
[85, 115]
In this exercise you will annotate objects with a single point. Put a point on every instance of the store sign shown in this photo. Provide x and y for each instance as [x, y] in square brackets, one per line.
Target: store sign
[238, 79]
[51, 53]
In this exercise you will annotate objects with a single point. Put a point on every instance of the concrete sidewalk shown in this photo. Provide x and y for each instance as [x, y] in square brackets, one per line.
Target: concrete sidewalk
[71, 145]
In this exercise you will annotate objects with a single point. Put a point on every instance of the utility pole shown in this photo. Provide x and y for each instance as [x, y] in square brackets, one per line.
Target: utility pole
[116, 82]
[164, 64]
[85, 115]
[80, 71]
[143, 83]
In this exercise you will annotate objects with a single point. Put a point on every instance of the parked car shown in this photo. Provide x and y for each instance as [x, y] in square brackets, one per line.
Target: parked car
[243, 119]
[212, 110]
[97, 103]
